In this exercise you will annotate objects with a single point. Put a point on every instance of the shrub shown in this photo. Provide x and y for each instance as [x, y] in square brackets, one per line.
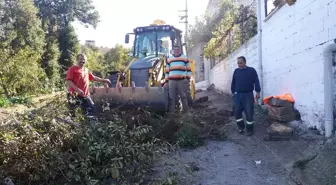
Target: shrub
[45, 147]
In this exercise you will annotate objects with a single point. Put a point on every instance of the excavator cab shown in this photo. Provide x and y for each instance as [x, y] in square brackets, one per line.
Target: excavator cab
[140, 84]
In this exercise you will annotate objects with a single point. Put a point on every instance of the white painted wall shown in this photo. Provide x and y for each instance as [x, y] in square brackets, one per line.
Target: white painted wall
[221, 74]
[293, 41]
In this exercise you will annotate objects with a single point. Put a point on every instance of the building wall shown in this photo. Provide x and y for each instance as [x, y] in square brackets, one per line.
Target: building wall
[221, 74]
[90, 42]
[195, 54]
[293, 40]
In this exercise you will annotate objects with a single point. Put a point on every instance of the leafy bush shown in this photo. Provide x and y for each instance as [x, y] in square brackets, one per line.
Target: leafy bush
[4, 102]
[20, 100]
[45, 147]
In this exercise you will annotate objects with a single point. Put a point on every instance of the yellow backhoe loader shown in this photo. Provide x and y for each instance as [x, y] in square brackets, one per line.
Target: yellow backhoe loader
[141, 83]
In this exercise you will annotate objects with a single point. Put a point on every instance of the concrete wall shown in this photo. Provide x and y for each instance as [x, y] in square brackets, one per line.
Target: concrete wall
[293, 40]
[221, 74]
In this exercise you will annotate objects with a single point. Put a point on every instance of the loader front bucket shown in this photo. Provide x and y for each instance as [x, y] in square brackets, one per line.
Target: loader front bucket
[130, 97]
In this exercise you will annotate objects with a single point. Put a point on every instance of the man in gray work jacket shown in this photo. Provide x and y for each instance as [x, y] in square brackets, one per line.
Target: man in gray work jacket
[244, 81]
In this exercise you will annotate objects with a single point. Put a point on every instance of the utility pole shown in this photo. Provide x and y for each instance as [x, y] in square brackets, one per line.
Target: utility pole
[185, 17]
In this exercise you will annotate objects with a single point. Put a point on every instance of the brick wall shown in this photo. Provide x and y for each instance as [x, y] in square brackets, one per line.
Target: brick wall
[293, 40]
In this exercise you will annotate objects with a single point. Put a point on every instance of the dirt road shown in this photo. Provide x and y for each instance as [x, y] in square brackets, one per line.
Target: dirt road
[240, 160]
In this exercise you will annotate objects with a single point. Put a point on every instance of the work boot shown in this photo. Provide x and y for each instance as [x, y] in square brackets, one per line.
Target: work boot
[241, 126]
[250, 130]
[240, 130]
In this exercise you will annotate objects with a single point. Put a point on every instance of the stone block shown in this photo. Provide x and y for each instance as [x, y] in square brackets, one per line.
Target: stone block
[278, 131]
[279, 103]
[279, 111]
[283, 118]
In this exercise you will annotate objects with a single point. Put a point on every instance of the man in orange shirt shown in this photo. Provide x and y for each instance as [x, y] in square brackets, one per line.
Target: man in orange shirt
[78, 78]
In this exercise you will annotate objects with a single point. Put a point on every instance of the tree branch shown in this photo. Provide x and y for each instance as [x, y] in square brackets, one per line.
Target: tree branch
[218, 42]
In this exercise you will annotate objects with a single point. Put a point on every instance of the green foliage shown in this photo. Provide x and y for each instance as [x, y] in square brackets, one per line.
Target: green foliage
[204, 26]
[21, 26]
[199, 32]
[28, 77]
[69, 47]
[62, 43]
[20, 100]
[100, 64]
[95, 59]
[237, 25]
[21, 47]
[38, 42]
[46, 146]
[5, 102]
[44, 149]
[117, 58]
[60, 14]
[225, 31]
[50, 62]
[189, 136]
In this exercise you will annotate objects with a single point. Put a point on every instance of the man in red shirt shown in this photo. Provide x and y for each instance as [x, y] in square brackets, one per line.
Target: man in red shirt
[78, 78]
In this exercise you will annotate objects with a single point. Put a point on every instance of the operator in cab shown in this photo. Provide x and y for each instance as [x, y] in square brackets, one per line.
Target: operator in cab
[244, 81]
[178, 73]
[162, 49]
[78, 77]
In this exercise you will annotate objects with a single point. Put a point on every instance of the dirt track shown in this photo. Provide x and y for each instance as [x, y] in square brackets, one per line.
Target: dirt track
[241, 160]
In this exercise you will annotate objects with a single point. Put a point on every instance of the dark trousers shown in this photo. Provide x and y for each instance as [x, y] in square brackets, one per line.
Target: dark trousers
[233, 106]
[177, 89]
[244, 102]
[85, 103]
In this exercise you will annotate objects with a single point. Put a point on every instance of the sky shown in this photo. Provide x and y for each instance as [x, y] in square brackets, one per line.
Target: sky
[119, 17]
